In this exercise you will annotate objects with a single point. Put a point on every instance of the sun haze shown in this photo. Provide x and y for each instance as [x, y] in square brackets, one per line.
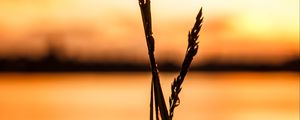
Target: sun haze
[92, 30]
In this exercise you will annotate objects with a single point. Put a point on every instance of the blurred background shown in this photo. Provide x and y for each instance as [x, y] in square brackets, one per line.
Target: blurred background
[87, 59]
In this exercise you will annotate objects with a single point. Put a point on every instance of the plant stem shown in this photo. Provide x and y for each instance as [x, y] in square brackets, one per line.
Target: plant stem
[190, 53]
[156, 87]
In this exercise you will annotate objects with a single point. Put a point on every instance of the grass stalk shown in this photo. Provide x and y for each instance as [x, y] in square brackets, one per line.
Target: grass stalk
[191, 51]
[160, 104]
[157, 96]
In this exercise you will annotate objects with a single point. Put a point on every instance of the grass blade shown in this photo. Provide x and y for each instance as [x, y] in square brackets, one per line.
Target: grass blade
[190, 53]
[160, 104]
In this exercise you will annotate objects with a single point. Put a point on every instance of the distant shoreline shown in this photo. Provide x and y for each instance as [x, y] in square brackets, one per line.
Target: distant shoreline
[53, 64]
[136, 68]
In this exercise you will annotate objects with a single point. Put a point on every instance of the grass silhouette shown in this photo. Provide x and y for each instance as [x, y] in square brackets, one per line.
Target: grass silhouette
[157, 96]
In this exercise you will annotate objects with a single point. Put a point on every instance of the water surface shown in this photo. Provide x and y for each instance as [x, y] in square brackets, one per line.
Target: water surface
[125, 96]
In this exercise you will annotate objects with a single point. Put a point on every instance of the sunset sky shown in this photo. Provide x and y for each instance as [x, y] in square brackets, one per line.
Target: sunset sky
[241, 32]
[248, 31]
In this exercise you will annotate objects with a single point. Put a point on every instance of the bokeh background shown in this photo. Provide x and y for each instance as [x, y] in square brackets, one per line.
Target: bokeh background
[90, 31]
[55, 56]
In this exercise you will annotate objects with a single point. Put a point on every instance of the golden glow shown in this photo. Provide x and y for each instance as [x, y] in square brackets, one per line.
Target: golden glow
[125, 96]
[110, 28]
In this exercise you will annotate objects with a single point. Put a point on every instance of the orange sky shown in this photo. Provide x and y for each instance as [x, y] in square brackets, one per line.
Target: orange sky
[93, 30]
